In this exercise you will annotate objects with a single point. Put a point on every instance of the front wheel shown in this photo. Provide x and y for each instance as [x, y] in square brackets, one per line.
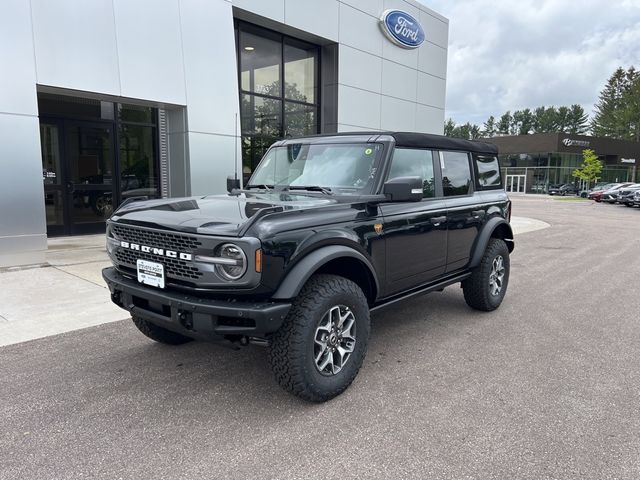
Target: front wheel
[487, 285]
[319, 349]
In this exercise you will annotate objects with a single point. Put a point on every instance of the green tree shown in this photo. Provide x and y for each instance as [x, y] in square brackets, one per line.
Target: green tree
[505, 123]
[522, 122]
[631, 112]
[489, 127]
[546, 120]
[449, 127]
[617, 112]
[578, 120]
[467, 131]
[562, 119]
[590, 169]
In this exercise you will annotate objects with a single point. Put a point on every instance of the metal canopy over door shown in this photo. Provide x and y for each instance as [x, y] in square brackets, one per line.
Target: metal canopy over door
[78, 174]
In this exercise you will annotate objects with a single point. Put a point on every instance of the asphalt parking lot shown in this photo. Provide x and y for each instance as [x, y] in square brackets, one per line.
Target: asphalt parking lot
[548, 386]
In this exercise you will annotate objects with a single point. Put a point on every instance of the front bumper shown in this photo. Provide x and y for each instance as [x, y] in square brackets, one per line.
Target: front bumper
[192, 316]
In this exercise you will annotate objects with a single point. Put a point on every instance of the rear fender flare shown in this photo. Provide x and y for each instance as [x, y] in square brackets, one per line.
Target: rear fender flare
[485, 235]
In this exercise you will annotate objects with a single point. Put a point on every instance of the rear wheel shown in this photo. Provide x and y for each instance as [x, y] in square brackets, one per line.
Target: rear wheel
[321, 345]
[487, 285]
[159, 334]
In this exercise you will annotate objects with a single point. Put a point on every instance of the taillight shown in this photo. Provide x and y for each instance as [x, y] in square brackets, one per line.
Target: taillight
[508, 212]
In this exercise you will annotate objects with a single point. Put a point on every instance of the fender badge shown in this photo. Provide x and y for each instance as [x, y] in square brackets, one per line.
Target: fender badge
[378, 228]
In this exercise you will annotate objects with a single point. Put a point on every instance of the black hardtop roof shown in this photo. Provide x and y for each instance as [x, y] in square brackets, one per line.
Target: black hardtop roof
[412, 140]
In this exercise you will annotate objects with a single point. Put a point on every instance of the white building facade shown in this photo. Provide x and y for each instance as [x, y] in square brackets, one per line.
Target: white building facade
[105, 99]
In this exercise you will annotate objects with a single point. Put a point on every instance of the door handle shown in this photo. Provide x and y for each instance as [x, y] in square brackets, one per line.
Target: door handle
[436, 221]
[478, 213]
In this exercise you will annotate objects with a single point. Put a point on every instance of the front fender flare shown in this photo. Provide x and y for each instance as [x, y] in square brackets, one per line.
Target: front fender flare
[302, 271]
[485, 235]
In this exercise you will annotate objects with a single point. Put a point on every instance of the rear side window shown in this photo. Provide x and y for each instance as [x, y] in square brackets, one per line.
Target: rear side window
[456, 173]
[488, 171]
[411, 162]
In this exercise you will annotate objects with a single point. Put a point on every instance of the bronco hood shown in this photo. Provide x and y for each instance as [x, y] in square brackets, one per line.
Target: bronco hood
[214, 214]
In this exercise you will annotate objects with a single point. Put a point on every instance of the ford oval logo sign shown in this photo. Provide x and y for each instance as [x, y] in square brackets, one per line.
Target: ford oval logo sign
[402, 29]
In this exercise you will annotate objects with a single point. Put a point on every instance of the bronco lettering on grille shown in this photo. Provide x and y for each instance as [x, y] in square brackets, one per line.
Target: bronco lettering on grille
[162, 252]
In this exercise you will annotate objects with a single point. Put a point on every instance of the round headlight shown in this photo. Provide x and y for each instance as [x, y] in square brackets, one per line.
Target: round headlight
[236, 262]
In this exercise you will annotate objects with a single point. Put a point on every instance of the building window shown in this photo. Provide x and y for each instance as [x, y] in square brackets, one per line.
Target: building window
[278, 82]
[137, 134]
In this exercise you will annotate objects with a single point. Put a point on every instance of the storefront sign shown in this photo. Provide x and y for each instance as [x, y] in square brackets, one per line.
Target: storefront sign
[402, 29]
[568, 142]
[628, 160]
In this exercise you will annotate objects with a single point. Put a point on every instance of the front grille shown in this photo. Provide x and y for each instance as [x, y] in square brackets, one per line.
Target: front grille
[174, 267]
[168, 240]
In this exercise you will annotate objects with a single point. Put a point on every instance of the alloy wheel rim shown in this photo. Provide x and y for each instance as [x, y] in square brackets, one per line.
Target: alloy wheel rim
[334, 340]
[496, 277]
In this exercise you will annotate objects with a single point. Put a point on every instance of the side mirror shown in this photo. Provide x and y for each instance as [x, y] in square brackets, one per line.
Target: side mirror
[403, 189]
[233, 183]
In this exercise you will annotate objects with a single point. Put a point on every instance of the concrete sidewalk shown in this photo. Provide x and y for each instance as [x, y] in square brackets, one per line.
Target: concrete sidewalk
[68, 293]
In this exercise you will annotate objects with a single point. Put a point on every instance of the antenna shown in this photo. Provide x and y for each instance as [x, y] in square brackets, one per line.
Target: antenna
[236, 148]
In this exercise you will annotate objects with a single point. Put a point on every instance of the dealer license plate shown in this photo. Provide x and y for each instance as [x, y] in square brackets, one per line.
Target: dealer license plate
[151, 273]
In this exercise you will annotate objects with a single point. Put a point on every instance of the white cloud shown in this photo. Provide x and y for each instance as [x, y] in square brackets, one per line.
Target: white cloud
[511, 55]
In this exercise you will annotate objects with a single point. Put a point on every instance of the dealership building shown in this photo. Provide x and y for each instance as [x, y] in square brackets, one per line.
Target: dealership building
[531, 163]
[103, 100]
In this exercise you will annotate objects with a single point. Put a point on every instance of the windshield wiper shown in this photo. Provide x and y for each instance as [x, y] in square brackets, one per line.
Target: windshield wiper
[310, 188]
[262, 186]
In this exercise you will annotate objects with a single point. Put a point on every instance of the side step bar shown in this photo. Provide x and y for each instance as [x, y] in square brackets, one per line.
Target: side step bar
[422, 290]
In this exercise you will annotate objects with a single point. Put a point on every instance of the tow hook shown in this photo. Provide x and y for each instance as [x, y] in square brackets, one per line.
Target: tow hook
[186, 320]
[245, 340]
[115, 298]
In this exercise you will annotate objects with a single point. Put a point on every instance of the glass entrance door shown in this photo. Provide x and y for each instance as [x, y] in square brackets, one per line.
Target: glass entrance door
[89, 157]
[53, 176]
[77, 170]
[516, 183]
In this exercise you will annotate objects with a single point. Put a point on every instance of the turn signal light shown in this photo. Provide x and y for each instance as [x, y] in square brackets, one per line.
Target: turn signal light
[258, 260]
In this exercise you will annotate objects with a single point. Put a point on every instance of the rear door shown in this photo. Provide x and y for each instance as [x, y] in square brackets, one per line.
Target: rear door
[415, 232]
[464, 211]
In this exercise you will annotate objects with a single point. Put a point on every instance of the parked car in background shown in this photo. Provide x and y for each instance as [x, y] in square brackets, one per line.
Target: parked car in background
[611, 195]
[597, 194]
[619, 196]
[636, 199]
[562, 190]
[625, 195]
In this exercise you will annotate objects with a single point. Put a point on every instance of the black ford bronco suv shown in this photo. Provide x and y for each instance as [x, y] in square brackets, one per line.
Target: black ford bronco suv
[327, 229]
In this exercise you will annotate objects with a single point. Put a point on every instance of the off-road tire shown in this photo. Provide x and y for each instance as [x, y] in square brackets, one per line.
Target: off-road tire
[159, 334]
[292, 346]
[476, 288]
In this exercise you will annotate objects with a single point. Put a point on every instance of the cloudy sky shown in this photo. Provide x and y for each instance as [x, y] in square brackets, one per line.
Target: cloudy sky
[510, 55]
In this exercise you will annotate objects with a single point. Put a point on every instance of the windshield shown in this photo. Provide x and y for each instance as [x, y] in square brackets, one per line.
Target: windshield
[346, 168]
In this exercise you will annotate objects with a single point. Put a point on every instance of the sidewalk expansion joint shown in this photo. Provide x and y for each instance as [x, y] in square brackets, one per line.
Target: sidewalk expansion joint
[78, 276]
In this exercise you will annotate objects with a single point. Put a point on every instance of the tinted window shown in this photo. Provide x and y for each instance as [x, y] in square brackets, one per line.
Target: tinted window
[456, 174]
[488, 171]
[409, 162]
